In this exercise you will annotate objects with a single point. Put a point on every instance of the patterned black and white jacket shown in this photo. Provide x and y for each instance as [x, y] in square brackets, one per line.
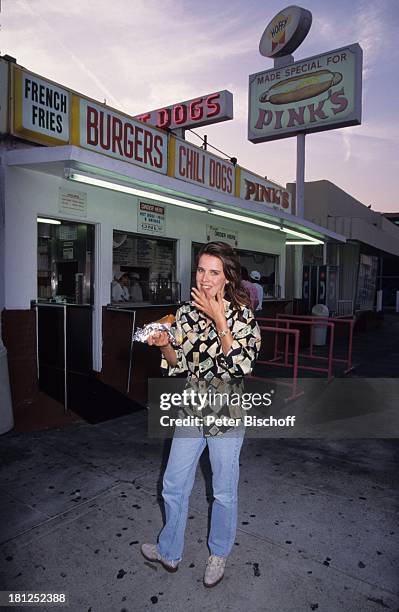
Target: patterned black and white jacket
[209, 371]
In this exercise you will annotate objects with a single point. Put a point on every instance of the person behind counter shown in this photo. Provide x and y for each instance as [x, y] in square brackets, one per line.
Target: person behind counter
[250, 287]
[136, 292]
[120, 289]
[218, 343]
[255, 277]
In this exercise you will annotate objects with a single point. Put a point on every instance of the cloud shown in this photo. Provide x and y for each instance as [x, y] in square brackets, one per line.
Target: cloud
[347, 146]
[155, 53]
[143, 54]
[371, 32]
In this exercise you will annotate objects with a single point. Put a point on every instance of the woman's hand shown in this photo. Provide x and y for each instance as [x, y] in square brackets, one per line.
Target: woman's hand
[213, 307]
[160, 339]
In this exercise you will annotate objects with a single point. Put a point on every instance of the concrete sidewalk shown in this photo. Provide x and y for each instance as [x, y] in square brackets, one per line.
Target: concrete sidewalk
[317, 526]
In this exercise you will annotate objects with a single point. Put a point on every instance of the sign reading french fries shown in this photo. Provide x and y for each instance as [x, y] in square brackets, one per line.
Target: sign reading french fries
[319, 93]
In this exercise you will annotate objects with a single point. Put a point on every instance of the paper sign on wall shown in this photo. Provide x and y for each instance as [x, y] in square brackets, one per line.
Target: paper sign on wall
[222, 234]
[73, 202]
[151, 218]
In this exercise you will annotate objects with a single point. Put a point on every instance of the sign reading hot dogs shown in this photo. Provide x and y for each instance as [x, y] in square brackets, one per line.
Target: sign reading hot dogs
[203, 110]
[202, 168]
[319, 93]
[111, 133]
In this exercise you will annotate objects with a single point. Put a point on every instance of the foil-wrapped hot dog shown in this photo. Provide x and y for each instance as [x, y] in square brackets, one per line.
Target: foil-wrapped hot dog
[143, 333]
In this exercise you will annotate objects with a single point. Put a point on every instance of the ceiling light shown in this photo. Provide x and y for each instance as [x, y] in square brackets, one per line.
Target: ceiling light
[252, 220]
[304, 242]
[89, 180]
[286, 230]
[50, 221]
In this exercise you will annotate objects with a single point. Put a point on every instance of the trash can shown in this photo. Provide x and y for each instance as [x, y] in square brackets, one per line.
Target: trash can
[6, 415]
[320, 331]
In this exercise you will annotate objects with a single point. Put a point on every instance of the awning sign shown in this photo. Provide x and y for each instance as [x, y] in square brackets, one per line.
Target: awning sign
[150, 218]
[117, 135]
[202, 168]
[254, 188]
[203, 110]
[4, 96]
[42, 109]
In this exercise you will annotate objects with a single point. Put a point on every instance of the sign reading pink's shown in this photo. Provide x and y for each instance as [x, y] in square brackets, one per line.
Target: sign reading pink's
[319, 93]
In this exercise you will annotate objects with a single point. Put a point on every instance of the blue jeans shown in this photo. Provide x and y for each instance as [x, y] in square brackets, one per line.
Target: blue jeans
[178, 480]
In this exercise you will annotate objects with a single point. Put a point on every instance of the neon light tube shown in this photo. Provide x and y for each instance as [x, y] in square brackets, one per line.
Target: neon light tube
[81, 178]
[253, 221]
[50, 221]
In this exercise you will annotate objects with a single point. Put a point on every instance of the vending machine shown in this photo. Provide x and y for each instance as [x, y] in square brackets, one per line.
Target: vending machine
[319, 286]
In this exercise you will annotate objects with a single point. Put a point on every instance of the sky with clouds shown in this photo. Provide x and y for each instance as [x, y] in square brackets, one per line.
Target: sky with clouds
[143, 54]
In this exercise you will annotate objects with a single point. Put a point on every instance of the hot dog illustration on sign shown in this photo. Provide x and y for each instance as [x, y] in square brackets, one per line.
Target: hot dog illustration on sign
[300, 88]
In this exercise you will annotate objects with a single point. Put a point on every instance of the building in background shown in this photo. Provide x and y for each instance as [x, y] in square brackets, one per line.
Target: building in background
[359, 275]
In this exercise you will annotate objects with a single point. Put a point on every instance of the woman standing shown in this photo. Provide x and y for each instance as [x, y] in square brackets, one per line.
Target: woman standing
[218, 342]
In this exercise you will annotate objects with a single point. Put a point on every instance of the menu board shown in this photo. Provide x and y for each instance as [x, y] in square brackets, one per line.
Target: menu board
[157, 256]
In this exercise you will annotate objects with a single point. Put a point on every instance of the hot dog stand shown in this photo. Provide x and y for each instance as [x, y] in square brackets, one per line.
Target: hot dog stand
[92, 195]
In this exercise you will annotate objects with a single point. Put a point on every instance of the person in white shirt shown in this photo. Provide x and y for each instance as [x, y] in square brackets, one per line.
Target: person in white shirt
[136, 292]
[120, 289]
[255, 276]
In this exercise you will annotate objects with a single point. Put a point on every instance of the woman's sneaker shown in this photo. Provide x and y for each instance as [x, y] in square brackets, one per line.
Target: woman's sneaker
[214, 570]
[150, 552]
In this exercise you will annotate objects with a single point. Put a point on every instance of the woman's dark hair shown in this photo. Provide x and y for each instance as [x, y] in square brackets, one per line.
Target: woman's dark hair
[244, 273]
[234, 291]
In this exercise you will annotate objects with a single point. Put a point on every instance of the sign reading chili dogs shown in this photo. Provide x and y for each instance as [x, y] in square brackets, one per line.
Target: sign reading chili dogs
[315, 94]
[202, 168]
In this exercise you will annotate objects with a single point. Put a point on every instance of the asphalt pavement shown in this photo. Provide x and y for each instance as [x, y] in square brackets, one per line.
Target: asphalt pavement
[317, 523]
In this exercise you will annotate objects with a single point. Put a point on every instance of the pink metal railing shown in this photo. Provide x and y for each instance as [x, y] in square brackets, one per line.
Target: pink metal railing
[335, 321]
[295, 366]
[288, 325]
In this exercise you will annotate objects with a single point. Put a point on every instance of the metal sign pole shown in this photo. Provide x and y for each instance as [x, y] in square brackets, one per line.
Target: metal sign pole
[300, 176]
[280, 62]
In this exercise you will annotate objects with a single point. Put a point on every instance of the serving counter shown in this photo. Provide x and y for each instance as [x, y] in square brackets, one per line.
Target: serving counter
[126, 366]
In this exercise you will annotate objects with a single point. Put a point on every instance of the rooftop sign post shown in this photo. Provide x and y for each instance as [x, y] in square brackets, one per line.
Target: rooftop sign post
[295, 98]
